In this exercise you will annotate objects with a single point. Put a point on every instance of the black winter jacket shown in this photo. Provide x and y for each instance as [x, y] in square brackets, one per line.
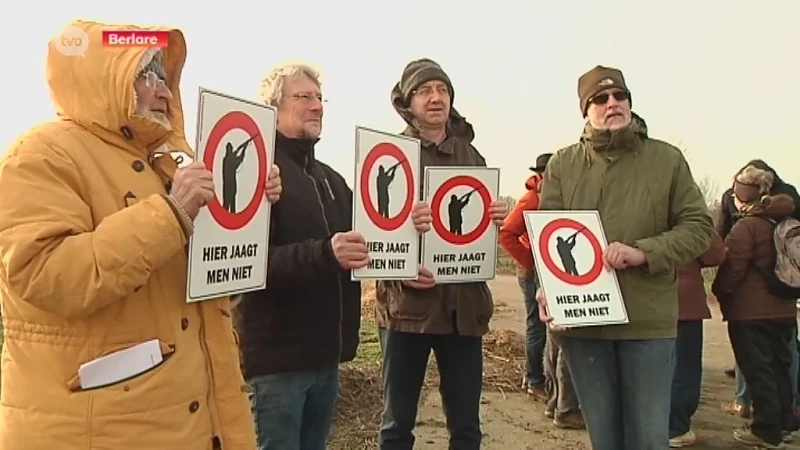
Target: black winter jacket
[309, 315]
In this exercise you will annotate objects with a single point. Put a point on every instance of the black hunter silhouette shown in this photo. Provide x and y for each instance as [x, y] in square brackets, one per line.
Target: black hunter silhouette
[231, 163]
[455, 211]
[382, 182]
[565, 248]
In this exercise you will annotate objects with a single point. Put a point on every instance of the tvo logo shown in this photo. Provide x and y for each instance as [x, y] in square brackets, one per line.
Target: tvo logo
[72, 41]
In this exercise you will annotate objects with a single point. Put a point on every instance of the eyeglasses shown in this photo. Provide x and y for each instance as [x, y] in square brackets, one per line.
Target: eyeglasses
[307, 97]
[602, 99]
[152, 80]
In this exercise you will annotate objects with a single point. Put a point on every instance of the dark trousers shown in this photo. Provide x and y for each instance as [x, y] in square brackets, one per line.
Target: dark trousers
[535, 334]
[405, 361]
[687, 378]
[561, 396]
[761, 348]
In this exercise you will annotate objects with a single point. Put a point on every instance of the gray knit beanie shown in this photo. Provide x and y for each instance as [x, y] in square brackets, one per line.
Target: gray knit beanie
[420, 72]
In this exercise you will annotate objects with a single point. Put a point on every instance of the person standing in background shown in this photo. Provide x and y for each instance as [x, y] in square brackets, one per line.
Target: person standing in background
[762, 333]
[544, 360]
[692, 311]
[728, 214]
[513, 238]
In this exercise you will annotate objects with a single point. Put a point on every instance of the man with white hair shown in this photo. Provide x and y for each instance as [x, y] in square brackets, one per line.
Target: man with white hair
[294, 334]
[656, 220]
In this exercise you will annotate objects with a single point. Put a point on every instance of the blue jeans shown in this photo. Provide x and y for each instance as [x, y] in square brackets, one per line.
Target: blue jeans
[688, 376]
[294, 411]
[405, 361]
[535, 334]
[742, 397]
[624, 390]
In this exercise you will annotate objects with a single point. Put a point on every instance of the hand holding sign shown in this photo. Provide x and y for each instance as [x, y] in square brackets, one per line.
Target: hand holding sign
[498, 212]
[350, 250]
[274, 185]
[193, 187]
[544, 316]
[424, 280]
[621, 256]
[421, 216]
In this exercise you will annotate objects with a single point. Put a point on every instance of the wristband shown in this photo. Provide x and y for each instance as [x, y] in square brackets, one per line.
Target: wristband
[183, 217]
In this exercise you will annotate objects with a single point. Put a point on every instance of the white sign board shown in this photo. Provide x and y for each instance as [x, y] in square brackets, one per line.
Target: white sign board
[228, 251]
[462, 244]
[386, 189]
[568, 248]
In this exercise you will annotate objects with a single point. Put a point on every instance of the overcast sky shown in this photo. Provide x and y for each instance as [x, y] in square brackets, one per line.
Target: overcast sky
[719, 78]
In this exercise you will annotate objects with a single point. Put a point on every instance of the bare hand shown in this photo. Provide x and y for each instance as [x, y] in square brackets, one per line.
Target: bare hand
[274, 185]
[421, 216]
[424, 280]
[620, 256]
[544, 316]
[193, 187]
[498, 212]
[350, 250]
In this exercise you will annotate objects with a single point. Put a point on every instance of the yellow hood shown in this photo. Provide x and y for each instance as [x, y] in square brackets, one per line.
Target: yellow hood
[96, 90]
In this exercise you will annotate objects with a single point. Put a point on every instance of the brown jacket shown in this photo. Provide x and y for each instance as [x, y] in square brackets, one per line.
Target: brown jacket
[741, 284]
[692, 296]
[432, 310]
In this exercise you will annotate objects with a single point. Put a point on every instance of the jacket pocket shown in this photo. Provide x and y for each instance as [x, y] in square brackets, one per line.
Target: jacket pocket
[484, 309]
[658, 197]
[126, 384]
[408, 304]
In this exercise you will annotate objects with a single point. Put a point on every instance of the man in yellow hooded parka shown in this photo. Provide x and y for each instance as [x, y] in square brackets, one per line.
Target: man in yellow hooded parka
[94, 219]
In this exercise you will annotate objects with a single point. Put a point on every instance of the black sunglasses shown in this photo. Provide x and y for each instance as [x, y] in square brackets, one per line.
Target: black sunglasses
[602, 99]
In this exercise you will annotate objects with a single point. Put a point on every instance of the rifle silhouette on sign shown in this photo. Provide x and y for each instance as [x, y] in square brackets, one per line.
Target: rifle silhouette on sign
[565, 248]
[231, 163]
[382, 182]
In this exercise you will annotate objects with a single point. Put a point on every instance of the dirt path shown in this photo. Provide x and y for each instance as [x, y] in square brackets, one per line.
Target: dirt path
[512, 421]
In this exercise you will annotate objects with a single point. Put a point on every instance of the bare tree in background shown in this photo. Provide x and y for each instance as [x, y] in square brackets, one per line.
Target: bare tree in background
[712, 194]
[711, 191]
[508, 200]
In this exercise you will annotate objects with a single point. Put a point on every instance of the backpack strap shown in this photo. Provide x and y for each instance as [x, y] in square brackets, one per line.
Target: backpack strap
[770, 220]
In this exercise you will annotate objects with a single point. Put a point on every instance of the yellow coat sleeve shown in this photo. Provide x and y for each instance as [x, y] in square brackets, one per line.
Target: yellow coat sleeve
[53, 256]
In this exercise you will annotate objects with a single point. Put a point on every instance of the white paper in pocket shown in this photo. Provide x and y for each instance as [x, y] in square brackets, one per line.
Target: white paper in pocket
[120, 365]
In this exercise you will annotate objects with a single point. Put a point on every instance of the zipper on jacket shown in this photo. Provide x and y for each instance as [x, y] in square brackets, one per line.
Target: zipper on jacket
[327, 230]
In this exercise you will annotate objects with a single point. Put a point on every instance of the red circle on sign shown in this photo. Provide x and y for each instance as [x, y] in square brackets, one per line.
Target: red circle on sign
[386, 149]
[544, 249]
[436, 207]
[237, 120]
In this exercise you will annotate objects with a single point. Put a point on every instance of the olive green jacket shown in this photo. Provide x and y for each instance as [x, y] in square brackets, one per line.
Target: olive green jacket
[647, 198]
